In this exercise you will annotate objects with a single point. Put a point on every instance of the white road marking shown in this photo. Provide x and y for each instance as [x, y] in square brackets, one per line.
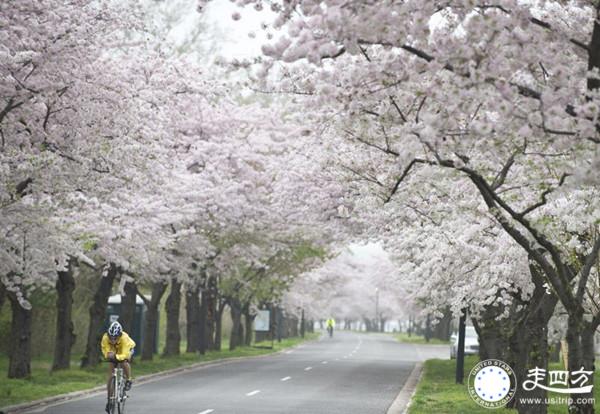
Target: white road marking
[288, 352]
[307, 368]
[206, 411]
[337, 359]
[324, 362]
[251, 393]
[286, 378]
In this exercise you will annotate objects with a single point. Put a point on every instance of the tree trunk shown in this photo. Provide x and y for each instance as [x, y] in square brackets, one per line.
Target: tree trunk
[203, 321]
[172, 309]
[441, 330]
[219, 324]
[97, 315]
[302, 324]
[580, 340]
[236, 314]
[493, 333]
[211, 312]
[528, 344]
[367, 322]
[248, 318]
[158, 290]
[127, 313]
[19, 365]
[2, 295]
[192, 310]
[65, 338]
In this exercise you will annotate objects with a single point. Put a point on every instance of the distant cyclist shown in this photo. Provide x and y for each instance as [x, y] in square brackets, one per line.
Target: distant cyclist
[117, 346]
[330, 325]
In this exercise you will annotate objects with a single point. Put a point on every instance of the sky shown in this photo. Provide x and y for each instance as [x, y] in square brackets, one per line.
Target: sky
[219, 32]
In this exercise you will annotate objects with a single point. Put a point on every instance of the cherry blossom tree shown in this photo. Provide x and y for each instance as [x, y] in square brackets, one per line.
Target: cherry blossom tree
[460, 86]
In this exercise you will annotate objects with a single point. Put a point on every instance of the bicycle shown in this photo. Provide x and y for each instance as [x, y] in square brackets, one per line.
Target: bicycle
[118, 395]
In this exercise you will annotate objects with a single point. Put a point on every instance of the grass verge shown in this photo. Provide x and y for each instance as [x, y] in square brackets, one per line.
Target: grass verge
[44, 383]
[418, 339]
[437, 392]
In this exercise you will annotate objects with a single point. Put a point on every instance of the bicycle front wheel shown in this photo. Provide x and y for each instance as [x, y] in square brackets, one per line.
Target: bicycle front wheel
[112, 399]
[121, 405]
[122, 397]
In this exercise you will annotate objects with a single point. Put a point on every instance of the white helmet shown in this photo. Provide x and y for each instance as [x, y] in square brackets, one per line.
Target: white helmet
[115, 330]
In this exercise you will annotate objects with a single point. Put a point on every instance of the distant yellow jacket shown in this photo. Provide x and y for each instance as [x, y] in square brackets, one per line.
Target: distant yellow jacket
[122, 348]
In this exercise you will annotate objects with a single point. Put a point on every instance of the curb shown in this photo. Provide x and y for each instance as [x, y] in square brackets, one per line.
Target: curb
[404, 397]
[38, 404]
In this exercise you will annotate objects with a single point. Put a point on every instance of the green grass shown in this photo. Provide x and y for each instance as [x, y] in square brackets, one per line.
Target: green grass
[44, 383]
[418, 339]
[437, 392]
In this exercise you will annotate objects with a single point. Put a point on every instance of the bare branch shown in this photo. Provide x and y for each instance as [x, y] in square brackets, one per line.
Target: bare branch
[587, 267]
[544, 196]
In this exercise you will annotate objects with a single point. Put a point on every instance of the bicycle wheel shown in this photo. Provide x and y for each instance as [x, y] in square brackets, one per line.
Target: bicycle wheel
[121, 405]
[121, 396]
[112, 400]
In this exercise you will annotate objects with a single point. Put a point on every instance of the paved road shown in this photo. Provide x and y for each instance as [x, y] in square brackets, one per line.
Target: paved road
[350, 373]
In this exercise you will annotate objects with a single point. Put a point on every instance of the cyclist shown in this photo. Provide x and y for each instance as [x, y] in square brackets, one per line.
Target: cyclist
[117, 346]
[330, 325]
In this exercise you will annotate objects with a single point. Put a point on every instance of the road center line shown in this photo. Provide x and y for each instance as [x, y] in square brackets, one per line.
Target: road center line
[210, 410]
[251, 393]
[307, 368]
[286, 378]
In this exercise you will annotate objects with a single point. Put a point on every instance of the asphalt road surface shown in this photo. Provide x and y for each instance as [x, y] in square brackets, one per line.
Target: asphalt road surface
[347, 374]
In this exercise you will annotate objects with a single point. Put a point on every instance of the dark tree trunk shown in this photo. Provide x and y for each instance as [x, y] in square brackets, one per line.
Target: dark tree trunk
[172, 309]
[240, 337]
[192, 310]
[203, 322]
[302, 324]
[492, 333]
[441, 330]
[151, 320]
[2, 295]
[428, 329]
[211, 312]
[580, 340]
[294, 327]
[19, 365]
[65, 337]
[528, 344]
[219, 324]
[248, 319]
[367, 322]
[97, 311]
[127, 313]
[236, 314]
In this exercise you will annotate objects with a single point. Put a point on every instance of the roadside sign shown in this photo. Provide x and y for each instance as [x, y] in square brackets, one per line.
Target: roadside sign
[262, 321]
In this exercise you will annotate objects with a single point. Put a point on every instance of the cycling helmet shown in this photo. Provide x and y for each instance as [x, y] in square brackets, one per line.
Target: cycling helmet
[115, 330]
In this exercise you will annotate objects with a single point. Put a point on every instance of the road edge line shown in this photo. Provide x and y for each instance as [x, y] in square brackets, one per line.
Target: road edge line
[404, 398]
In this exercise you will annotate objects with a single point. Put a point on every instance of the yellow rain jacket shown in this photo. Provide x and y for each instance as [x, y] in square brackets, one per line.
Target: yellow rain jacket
[122, 348]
